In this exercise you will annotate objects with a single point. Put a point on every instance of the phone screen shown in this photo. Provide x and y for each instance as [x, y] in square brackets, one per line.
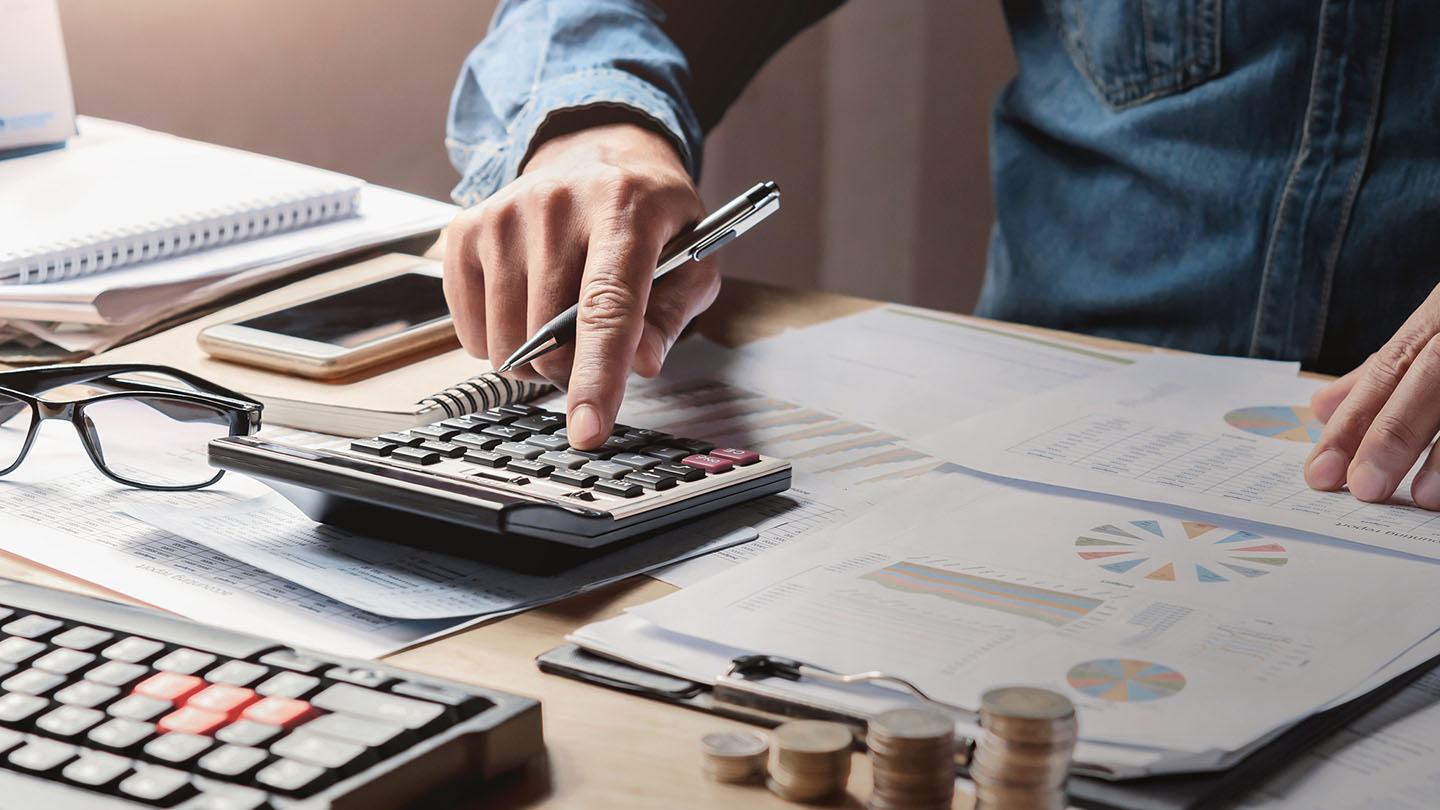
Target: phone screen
[356, 317]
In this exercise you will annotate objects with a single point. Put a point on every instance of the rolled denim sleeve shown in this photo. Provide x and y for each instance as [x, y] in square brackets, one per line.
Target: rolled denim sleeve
[675, 64]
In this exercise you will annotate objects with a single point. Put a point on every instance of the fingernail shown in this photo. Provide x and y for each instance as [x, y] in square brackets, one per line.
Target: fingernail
[1327, 470]
[584, 425]
[1368, 482]
[1425, 490]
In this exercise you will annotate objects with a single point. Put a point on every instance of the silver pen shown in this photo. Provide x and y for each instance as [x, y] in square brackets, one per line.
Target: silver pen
[712, 233]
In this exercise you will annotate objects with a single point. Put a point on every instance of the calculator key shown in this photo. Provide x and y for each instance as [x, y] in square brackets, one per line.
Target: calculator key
[378, 706]
[464, 424]
[647, 435]
[620, 444]
[466, 703]
[19, 650]
[139, 707]
[360, 676]
[434, 433]
[121, 733]
[9, 739]
[709, 464]
[42, 755]
[63, 661]
[82, 638]
[594, 455]
[580, 494]
[494, 416]
[740, 457]
[635, 461]
[117, 673]
[355, 730]
[605, 469]
[5, 613]
[622, 488]
[133, 649]
[171, 686]
[503, 477]
[684, 472]
[87, 694]
[520, 410]
[222, 698]
[278, 711]
[537, 469]
[650, 480]
[487, 458]
[415, 455]
[237, 673]
[293, 661]
[179, 747]
[547, 442]
[563, 460]
[229, 797]
[665, 452]
[17, 707]
[372, 447]
[290, 776]
[96, 768]
[248, 732]
[31, 626]
[317, 750]
[153, 783]
[540, 422]
[232, 760]
[400, 438]
[472, 441]
[32, 682]
[695, 446]
[528, 452]
[189, 720]
[69, 721]
[446, 449]
[506, 432]
[184, 661]
[574, 478]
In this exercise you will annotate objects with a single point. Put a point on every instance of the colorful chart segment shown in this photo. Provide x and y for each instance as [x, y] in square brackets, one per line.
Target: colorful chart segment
[1051, 607]
[1292, 423]
[1180, 550]
[1124, 680]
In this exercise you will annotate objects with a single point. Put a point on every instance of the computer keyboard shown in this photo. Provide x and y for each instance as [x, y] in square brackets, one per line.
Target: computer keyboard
[105, 705]
[507, 472]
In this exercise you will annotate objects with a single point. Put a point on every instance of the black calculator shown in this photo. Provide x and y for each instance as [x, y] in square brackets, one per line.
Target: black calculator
[507, 472]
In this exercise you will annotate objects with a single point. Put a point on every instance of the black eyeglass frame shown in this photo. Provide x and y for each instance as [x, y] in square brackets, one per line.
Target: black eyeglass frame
[27, 385]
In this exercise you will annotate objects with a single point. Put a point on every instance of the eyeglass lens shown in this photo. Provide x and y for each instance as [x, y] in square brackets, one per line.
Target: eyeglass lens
[155, 440]
[15, 419]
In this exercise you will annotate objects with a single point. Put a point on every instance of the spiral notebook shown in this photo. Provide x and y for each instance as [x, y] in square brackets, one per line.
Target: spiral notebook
[120, 196]
[414, 392]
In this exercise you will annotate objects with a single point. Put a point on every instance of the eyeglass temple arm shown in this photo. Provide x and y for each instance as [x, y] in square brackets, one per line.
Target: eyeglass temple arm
[53, 377]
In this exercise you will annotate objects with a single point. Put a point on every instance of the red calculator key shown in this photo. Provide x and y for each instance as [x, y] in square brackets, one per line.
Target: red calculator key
[170, 686]
[710, 464]
[190, 720]
[222, 699]
[735, 454]
[278, 711]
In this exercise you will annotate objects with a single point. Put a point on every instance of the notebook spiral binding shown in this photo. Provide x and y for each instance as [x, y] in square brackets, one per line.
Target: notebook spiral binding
[482, 392]
[170, 238]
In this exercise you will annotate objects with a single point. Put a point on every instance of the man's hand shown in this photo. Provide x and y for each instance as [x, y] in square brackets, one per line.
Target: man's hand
[585, 222]
[1381, 416]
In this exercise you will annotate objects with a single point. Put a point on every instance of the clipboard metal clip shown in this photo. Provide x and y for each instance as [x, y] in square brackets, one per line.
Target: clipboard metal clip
[757, 666]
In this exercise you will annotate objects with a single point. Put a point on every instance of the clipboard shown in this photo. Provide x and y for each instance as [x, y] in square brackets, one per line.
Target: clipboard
[1198, 791]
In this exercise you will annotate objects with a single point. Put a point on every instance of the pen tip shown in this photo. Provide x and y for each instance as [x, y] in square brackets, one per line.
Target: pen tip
[504, 367]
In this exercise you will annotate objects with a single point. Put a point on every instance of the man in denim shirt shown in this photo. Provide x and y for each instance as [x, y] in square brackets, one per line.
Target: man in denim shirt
[1227, 176]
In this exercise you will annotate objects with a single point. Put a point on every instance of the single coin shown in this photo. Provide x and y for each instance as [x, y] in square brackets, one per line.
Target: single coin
[912, 724]
[1027, 703]
[734, 743]
[813, 737]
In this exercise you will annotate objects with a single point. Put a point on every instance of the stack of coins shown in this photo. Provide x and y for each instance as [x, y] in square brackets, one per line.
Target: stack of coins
[1022, 759]
[912, 754]
[734, 756]
[811, 762]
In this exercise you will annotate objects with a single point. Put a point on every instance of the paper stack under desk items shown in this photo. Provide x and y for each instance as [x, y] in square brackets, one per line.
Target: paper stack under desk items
[71, 310]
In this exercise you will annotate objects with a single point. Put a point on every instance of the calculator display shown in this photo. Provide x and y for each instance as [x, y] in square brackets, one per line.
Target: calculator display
[363, 315]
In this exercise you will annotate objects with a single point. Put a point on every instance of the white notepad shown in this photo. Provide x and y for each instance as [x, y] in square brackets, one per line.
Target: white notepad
[120, 195]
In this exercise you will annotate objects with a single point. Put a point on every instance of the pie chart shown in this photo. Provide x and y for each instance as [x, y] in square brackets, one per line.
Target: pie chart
[1124, 680]
[1168, 550]
[1291, 423]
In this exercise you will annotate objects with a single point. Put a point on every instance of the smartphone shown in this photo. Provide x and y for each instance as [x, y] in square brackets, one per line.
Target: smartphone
[343, 333]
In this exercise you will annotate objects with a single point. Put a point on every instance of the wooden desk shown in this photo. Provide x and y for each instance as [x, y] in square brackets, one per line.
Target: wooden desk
[606, 749]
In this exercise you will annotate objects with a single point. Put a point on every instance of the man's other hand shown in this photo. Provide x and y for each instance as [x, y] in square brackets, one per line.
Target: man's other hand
[1383, 415]
[585, 222]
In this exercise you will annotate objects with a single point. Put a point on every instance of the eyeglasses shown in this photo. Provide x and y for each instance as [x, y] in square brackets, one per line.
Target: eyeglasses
[147, 428]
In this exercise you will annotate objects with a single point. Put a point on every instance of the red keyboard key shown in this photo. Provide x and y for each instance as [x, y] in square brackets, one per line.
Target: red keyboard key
[710, 464]
[223, 699]
[190, 720]
[741, 457]
[278, 711]
[170, 686]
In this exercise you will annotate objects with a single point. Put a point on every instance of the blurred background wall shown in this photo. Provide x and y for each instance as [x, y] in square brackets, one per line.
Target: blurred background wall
[874, 122]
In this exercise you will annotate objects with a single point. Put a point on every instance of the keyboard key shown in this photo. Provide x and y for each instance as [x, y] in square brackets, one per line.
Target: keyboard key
[650, 480]
[278, 711]
[178, 748]
[18, 707]
[189, 720]
[121, 734]
[505, 432]
[138, 707]
[622, 488]
[400, 438]
[222, 698]
[248, 732]
[184, 662]
[20, 650]
[293, 661]
[317, 750]
[446, 449]
[32, 682]
[634, 461]
[117, 673]
[487, 458]
[232, 761]
[741, 457]
[605, 469]
[87, 694]
[574, 478]
[69, 721]
[709, 464]
[538, 469]
[665, 452]
[683, 472]
[360, 676]
[415, 455]
[169, 686]
[153, 783]
[372, 447]
[288, 685]
[63, 661]
[519, 450]
[82, 638]
[435, 433]
[290, 776]
[96, 769]
[471, 441]
[540, 422]
[237, 673]
[32, 626]
[355, 730]
[42, 755]
[378, 706]
[494, 416]
[133, 650]
[546, 442]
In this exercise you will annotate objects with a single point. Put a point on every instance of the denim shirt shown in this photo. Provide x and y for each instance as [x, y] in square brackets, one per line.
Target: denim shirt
[1227, 176]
